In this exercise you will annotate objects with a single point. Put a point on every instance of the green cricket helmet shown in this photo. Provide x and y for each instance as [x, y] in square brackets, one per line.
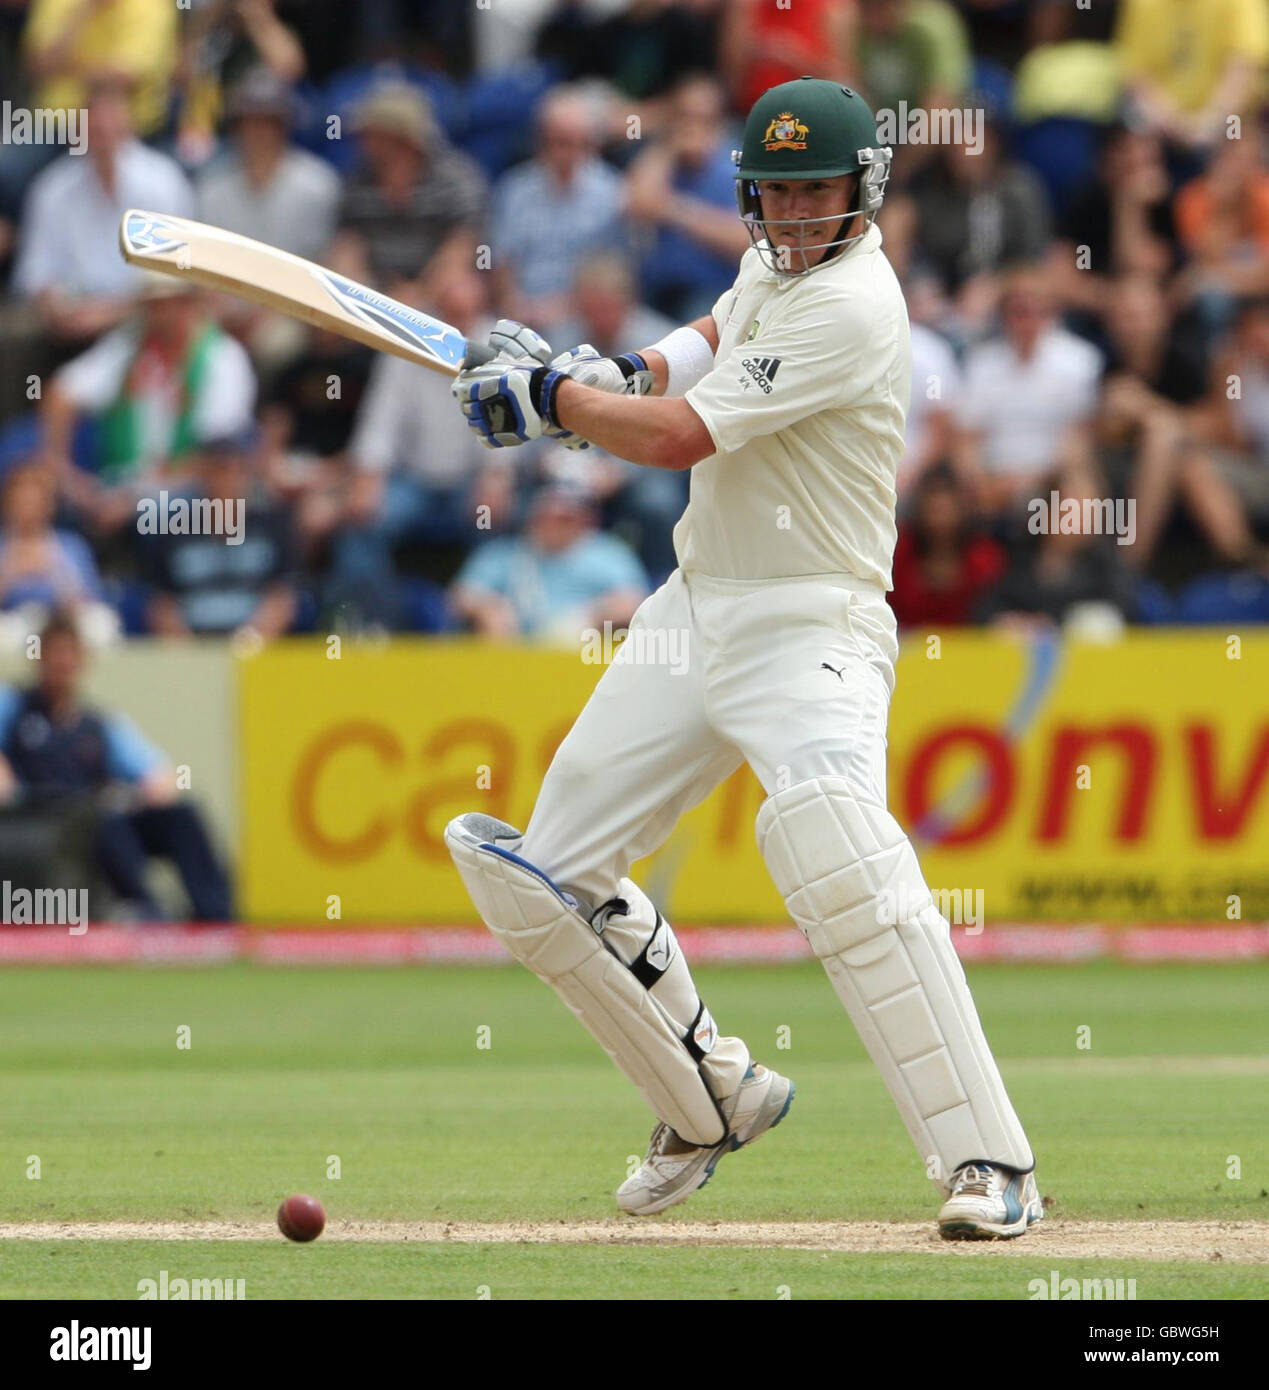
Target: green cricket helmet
[809, 128]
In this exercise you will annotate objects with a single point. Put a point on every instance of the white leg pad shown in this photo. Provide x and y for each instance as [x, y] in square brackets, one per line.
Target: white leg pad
[840, 859]
[543, 928]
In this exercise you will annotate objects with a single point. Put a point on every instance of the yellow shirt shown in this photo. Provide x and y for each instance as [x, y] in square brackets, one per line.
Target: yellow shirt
[134, 37]
[1184, 46]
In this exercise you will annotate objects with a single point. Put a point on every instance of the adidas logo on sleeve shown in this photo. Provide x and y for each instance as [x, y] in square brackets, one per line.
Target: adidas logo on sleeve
[761, 372]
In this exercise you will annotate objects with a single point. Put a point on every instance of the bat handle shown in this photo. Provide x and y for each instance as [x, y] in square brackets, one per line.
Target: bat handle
[477, 355]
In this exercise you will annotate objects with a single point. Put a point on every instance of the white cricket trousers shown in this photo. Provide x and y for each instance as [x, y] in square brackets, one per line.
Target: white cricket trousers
[793, 676]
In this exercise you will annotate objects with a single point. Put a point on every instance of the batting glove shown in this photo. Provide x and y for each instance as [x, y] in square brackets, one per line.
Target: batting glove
[516, 340]
[626, 375]
[507, 402]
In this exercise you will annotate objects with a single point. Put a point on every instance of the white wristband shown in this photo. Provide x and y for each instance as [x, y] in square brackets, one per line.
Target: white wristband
[688, 357]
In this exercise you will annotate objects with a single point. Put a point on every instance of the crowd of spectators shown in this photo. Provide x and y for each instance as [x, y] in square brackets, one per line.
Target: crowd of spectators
[1087, 272]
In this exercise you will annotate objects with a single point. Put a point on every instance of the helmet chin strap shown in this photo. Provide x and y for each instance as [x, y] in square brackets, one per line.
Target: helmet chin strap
[832, 250]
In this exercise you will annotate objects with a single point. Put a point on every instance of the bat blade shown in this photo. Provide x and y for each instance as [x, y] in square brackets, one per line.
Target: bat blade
[221, 260]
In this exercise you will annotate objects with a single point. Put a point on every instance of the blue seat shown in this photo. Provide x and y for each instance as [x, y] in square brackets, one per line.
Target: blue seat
[1155, 606]
[991, 89]
[1063, 152]
[1224, 598]
[500, 108]
[424, 606]
[21, 438]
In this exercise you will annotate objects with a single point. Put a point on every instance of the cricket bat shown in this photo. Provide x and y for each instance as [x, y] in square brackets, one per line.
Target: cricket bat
[221, 260]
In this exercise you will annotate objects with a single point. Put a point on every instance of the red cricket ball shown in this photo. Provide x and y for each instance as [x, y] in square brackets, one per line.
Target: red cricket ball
[301, 1218]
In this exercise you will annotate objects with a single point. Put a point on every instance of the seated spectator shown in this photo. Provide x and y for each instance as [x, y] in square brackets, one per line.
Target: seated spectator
[1120, 223]
[978, 212]
[1146, 449]
[1144, 340]
[40, 565]
[552, 212]
[682, 192]
[69, 260]
[416, 472]
[1225, 479]
[1062, 578]
[231, 570]
[155, 386]
[912, 51]
[761, 45]
[931, 421]
[604, 309]
[56, 752]
[311, 404]
[263, 186]
[413, 206]
[943, 566]
[641, 504]
[1154, 383]
[560, 578]
[1188, 67]
[1028, 402]
[1223, 221]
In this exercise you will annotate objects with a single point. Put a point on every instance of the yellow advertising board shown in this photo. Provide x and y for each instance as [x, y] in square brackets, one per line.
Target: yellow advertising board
[1062, 781]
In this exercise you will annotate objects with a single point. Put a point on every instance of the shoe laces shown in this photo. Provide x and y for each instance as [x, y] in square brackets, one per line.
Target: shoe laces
[973, 1181]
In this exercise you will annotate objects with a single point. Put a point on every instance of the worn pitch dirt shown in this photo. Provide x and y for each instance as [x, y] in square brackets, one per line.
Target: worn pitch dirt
[1234, 1242]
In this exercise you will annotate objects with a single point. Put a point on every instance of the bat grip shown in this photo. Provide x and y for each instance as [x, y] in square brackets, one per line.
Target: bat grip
[477, 355]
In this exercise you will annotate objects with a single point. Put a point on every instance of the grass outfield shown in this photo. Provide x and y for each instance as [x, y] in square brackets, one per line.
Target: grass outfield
[289, 1070]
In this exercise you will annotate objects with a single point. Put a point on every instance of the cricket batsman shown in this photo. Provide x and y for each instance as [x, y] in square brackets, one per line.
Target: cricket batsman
[787, 403]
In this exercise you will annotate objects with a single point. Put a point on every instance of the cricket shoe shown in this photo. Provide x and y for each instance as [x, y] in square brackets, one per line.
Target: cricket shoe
[989, 1202]
[673, 1169]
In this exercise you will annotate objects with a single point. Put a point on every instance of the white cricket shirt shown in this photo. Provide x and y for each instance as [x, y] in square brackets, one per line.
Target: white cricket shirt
[805, 405]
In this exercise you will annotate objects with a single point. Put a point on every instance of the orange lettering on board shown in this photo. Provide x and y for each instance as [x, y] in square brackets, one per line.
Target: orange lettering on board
[496, 750]
[313, 764]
